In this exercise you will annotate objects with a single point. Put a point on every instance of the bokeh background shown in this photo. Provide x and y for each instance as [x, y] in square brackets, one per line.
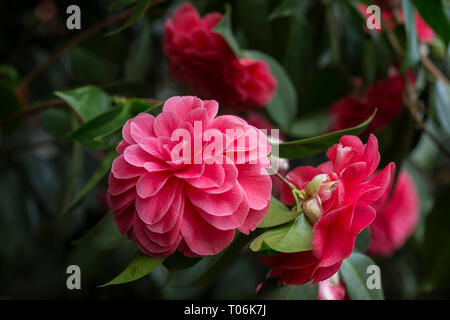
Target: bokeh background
[327, 53]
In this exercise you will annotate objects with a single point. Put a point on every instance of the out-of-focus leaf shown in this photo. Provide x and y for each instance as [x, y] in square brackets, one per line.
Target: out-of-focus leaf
[141, 266]
[120, 4]
[103, 236]
[283, 106]
[88, 101]
[8, 99]
[325, 87]
[56, 121]
[270, 290]
[294, 236]
[436, 247]
[220, 261]
[307, 147]
[354, 271]
[440, 100]
[278, 214]
[299, 52]
[310, 126]
[178, 261]
[138, 61]
[98, 175]
[224, 29]
[412, 45]
[103, 124]
[433, 14]
[285, 9]
[138, 12]
[363, 240]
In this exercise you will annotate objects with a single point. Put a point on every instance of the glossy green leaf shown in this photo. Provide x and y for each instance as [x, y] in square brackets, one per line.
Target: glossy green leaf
[103, 236]
[310, 126]
[294, 236]
[412, 44]
[103, 124]
[270, 290]
[56, 121]
[138, 12]
[307, 147]
[356, 272]
[88, 101]
[141, 266]
[440, 100]
[98, 175]
[224, 29]
[433, 14]
[138, 61]
[285, 9]
[283, 106]
[278, 214]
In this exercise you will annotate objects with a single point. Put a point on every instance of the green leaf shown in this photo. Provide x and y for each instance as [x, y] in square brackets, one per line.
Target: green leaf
[8, 99]
[88, 101]
[412, 44]
[178, 261]
[141, 266]
[224, 29]
[309, 126]
[294, 236]
[307, 147]
[286, 8]
[102, 125]
[433, 14]
[98, 175]
[363, 240]
[219, 262]
[283, 106]
[354, 270]
[278, 214]
[138, 12]
[440, 100]
[56, 121]
[103, 236]
[272, 291]
[140, 57]
[325, 87]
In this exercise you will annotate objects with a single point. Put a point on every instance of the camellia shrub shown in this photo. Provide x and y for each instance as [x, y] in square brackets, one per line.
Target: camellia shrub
[167, 149]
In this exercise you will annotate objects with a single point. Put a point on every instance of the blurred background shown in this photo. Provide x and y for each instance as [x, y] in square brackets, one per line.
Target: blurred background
[328, 54]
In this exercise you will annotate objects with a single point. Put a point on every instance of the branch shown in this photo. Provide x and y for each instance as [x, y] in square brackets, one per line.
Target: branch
[412, 105]
[78, 39]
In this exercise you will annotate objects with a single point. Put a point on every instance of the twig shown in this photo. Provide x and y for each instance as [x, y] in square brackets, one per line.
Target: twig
[286, 182]
[78, 39]
[29, 111]
[412, 105]
[429, 65]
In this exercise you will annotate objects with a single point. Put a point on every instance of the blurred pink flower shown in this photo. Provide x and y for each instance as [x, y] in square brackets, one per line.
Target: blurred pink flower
[202, 60]
[332, 289]
[396, 217]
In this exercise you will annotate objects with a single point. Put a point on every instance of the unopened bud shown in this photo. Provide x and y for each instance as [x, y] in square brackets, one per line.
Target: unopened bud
[313, 209]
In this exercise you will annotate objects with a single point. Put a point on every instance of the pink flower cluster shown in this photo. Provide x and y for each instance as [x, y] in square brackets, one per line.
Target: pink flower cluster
[165, 205]
[397, 216]
[202, 60]
[384, 95]
[339, 210]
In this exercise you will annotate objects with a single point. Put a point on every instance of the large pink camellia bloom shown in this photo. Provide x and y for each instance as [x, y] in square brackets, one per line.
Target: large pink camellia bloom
[339, 210]
[165, 204]
[202, 60]
[396, 217]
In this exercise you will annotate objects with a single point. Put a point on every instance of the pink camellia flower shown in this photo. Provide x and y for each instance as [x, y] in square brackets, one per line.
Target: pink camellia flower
[332, 289]
[396, 217]
[424, 32]
[386, 95]
[165, 204]
[202, 60]
[338, 198]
